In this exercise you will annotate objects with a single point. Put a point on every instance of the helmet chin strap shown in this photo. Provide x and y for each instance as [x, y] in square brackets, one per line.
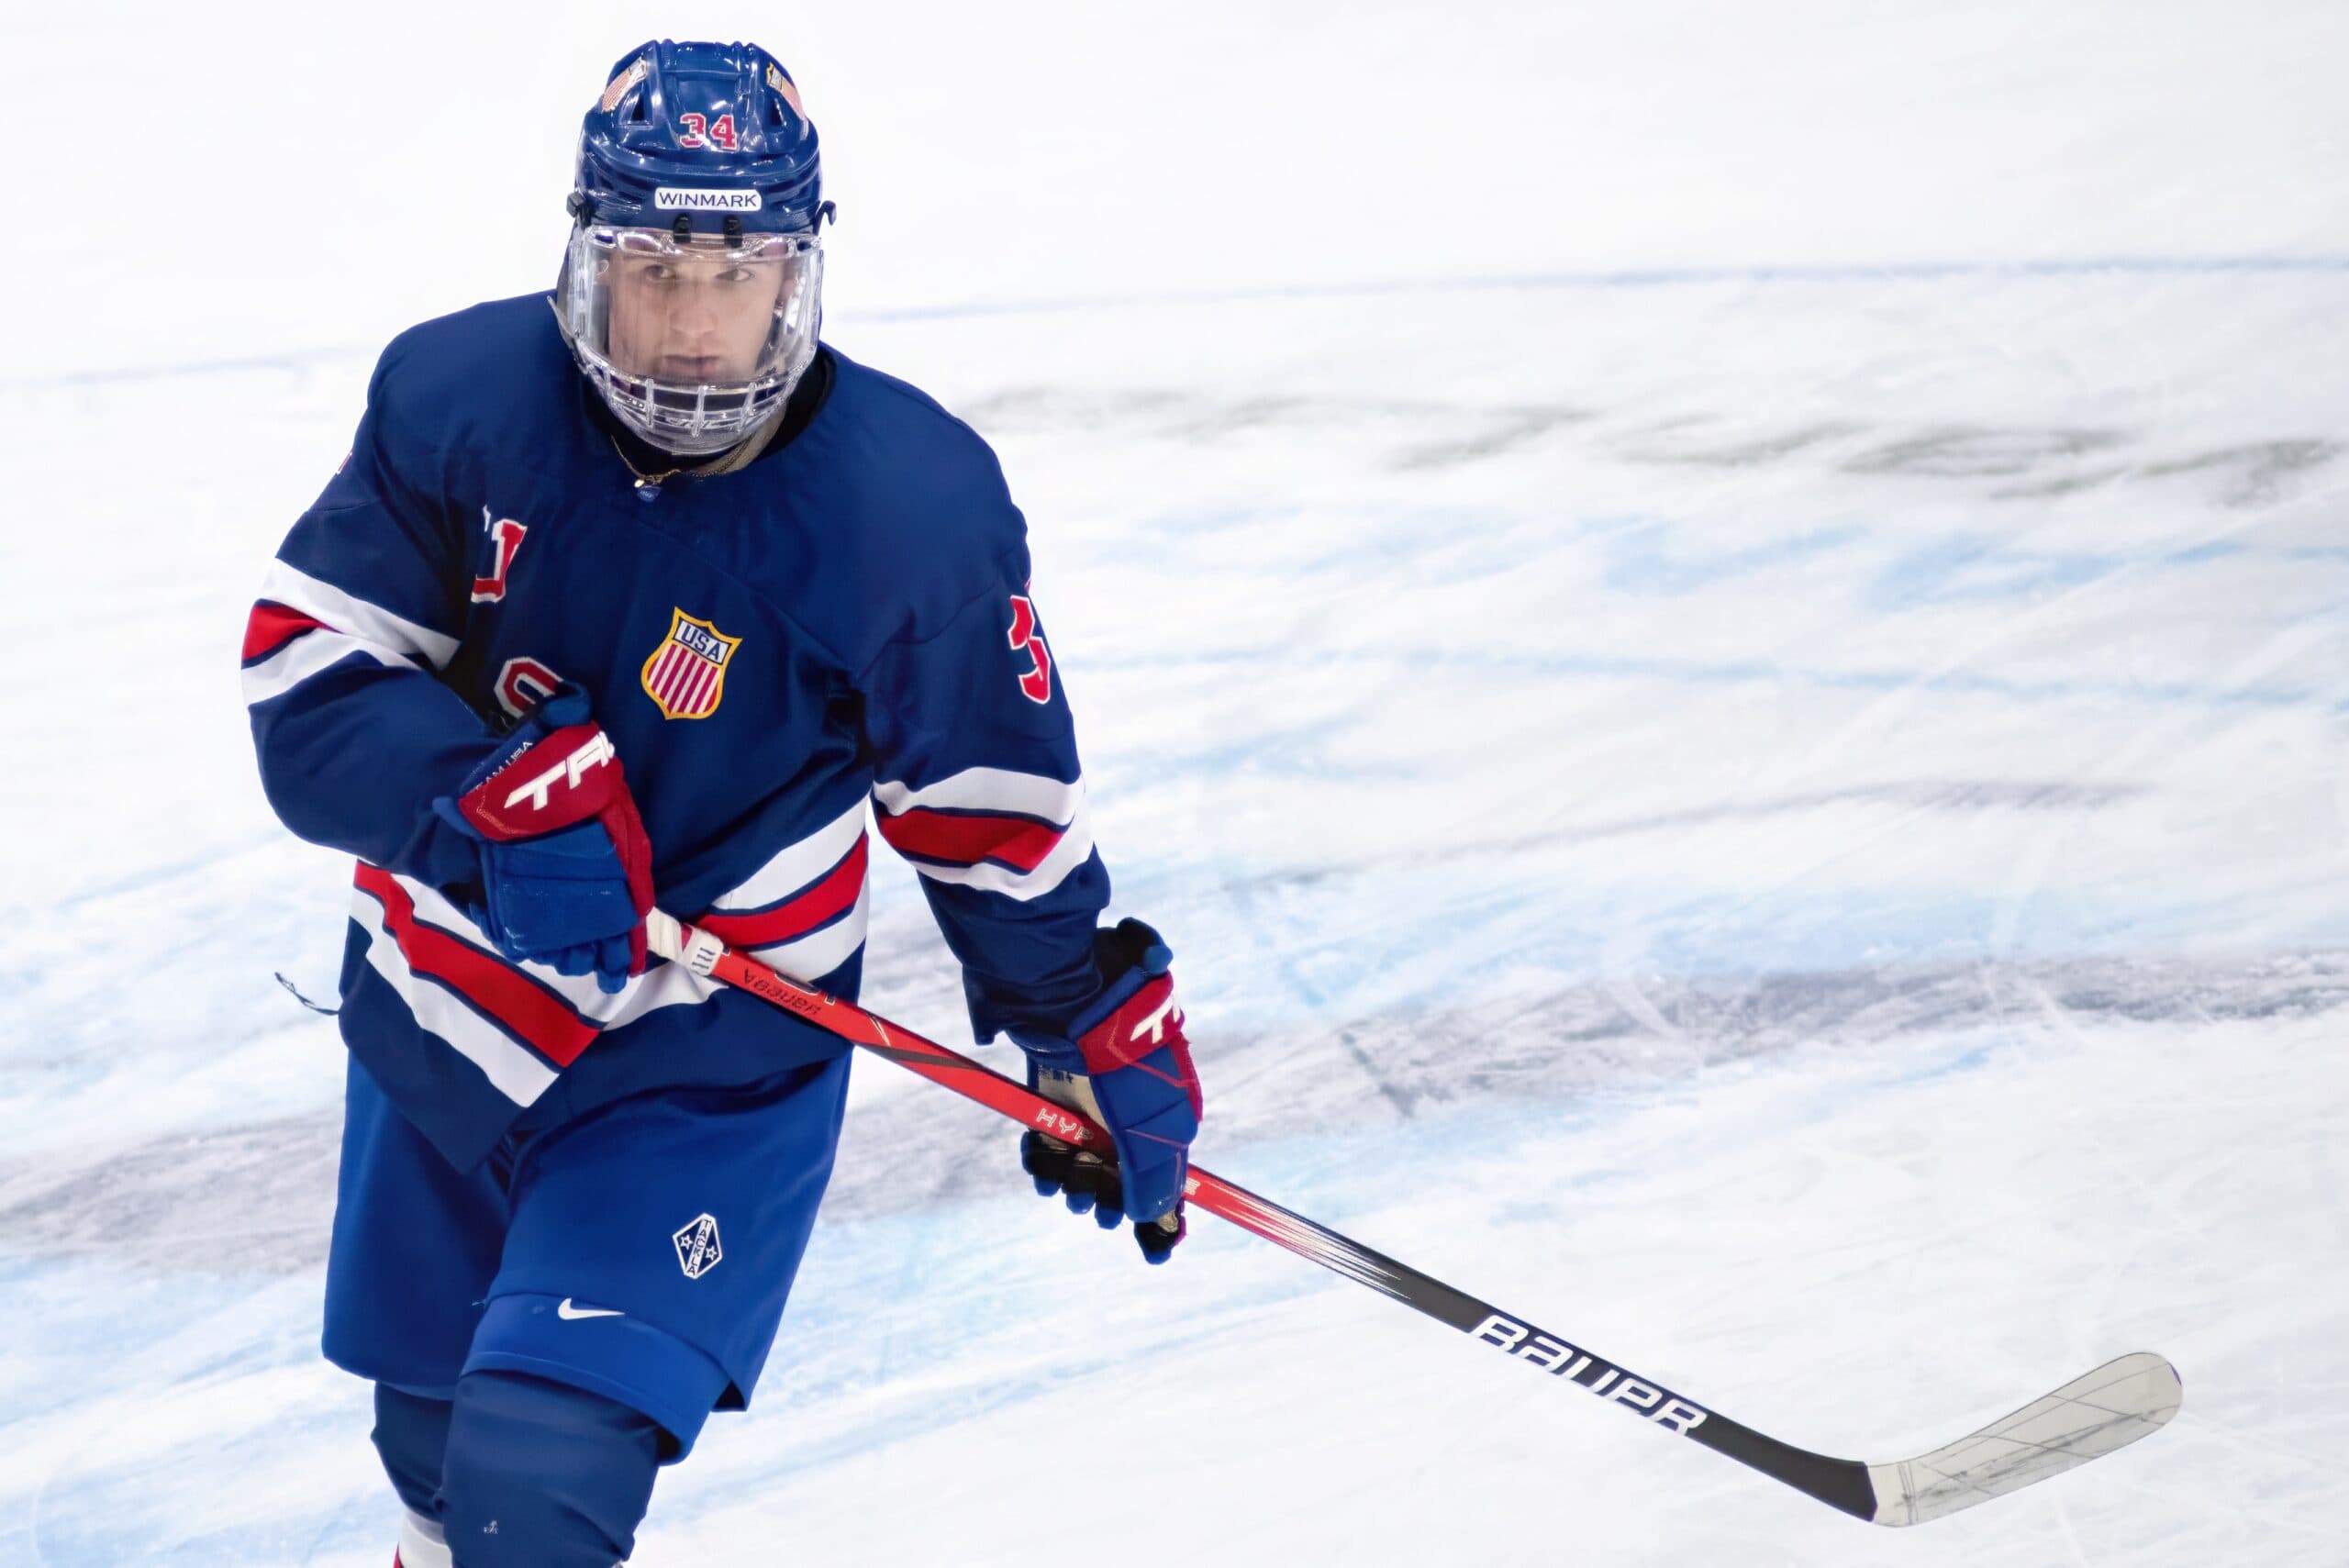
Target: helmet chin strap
[744, 452]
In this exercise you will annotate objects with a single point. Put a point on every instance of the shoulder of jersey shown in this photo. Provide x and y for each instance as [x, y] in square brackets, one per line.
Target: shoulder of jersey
[939, 486]
[490, 374]
[929, 493]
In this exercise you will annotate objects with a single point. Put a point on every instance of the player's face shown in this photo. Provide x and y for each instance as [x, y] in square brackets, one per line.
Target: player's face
[692, 317]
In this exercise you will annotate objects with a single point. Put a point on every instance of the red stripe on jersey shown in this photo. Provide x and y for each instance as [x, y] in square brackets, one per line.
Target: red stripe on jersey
[271, 626]
[835, 891]
[1016, 842]
[506, 995]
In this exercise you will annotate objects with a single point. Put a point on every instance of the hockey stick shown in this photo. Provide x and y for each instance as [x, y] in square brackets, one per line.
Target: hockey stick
[2091, 1416]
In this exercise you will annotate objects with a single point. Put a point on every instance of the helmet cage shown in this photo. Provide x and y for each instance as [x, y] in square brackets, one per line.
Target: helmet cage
[699, 363]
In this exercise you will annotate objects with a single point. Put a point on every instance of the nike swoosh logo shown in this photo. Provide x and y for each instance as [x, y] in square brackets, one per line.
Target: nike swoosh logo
[570, 1314]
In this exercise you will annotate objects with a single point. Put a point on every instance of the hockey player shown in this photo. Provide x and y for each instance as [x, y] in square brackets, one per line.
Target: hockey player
[635, 593]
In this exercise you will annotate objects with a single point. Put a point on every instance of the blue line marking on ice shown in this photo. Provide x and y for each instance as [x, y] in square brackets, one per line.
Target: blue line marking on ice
[1971, 569]
[1932, 1071]
[2217, 550]
[1641, 558]
[1974, 569]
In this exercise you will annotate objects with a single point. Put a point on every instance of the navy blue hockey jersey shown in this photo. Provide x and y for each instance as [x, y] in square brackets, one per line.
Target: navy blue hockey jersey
[839, 632]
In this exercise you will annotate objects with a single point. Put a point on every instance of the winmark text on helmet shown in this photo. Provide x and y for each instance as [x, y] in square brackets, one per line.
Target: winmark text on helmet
[669, 198]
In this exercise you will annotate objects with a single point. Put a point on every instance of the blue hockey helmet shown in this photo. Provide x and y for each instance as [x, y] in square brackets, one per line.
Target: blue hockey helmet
[704, 131]
[691, 292]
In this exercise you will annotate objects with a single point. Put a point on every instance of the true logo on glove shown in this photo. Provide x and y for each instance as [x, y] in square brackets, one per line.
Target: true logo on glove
[593, 753]
[1155, 1024]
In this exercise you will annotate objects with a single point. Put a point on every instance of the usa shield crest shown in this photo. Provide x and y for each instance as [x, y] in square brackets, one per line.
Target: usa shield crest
[686, 674]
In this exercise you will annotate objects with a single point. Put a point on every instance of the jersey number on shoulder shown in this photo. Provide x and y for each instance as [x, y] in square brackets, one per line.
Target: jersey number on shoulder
[1036, 681]
[701, 132]
[505, 539]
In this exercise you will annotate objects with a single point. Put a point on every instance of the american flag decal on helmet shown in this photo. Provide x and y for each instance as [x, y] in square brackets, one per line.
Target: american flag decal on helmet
[783, 85]
[618, 85]
[686, 674]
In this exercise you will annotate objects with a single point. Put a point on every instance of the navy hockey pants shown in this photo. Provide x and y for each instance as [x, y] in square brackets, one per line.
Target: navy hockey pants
[546, 1331]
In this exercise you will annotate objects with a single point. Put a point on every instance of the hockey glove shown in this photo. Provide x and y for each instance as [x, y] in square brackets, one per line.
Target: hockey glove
[1127, 1065]
[567, 872]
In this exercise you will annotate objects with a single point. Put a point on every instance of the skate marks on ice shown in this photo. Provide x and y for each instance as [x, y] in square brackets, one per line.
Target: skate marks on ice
[1616, 1035]
[1996, 461]
[234, 1200]
[257, 1199]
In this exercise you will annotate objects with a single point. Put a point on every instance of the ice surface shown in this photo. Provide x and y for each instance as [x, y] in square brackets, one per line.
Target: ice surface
[1720, 633]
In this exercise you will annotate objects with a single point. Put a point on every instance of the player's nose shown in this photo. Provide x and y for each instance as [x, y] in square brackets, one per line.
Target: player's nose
[698, 319]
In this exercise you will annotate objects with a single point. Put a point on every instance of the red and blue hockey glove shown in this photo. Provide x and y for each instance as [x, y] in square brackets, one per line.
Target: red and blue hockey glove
[1127, 1065]
[566, 870]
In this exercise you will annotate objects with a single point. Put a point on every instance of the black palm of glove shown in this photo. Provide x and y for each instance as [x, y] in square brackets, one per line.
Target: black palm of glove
[1087, 1182]
[1126, 1066]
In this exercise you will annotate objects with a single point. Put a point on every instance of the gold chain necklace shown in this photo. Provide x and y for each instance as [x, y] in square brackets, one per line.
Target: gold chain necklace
[733, 460]
[648, 486]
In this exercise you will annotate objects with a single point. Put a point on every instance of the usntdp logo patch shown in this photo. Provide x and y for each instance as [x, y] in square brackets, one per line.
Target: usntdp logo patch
[697, 1248]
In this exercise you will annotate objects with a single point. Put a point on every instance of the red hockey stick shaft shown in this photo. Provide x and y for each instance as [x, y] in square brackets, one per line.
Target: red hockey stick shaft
[2111, 1407]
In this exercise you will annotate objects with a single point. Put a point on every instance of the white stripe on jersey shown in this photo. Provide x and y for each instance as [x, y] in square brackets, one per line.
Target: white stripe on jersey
[320, 600]
[989, 789]
[796, 865]
[664, 986]
[1075, 844]
[518, 1075]
[304, 656]
[809, 958]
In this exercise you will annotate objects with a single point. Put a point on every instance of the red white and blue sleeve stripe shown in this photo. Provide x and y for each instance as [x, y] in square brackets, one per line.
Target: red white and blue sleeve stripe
[802, 911]
[303, 624]
[977, 785]
[464, 1037]
[354, 731]
[995, 830]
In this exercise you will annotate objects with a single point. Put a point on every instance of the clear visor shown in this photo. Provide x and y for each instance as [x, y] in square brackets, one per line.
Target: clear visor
[692, 341]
